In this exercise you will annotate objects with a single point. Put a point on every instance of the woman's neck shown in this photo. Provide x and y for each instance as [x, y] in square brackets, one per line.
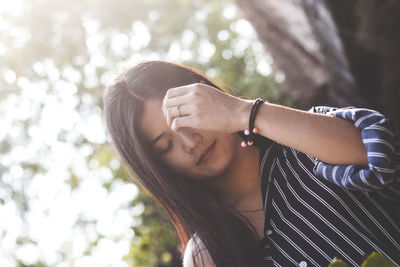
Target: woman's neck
[240, 184]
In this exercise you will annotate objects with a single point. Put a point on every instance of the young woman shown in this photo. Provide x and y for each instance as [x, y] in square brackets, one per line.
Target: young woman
[302, 188]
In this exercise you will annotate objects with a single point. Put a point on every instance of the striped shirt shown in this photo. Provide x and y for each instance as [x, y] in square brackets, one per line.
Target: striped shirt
[316, 211]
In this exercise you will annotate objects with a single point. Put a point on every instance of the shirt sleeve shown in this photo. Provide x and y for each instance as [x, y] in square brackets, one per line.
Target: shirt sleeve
[383, 151]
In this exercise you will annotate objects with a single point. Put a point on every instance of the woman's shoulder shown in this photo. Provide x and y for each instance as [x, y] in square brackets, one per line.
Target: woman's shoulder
[196, 254]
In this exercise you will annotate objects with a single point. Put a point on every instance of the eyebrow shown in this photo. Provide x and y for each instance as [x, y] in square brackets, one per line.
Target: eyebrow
[156, 139]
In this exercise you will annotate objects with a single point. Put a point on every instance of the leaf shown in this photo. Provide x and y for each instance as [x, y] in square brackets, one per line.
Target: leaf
[377, 259]
[338, 263]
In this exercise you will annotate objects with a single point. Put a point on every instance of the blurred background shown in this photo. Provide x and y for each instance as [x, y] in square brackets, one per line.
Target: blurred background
[65, 198]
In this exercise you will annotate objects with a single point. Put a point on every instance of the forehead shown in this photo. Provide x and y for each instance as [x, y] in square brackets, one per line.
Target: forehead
[152, 123]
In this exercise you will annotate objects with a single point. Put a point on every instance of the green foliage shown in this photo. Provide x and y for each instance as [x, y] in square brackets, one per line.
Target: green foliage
[375, 259]
[38, 264]
[155, 237]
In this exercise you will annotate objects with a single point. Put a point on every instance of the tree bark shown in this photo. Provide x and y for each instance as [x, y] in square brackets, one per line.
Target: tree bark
[370, 32]
[337, 53]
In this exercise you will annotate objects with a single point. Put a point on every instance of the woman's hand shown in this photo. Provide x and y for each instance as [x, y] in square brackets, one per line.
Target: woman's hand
[204, 107]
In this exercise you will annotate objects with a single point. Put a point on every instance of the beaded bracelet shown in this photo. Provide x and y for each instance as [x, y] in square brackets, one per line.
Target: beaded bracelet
[251, 134]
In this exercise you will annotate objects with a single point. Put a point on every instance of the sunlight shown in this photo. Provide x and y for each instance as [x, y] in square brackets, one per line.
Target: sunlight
[13, 8]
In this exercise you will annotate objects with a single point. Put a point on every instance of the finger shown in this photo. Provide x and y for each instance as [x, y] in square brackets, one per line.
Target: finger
[170, 114]
[174, 112]
[177, 91]
[176, 101]
[169, 98]
[180, 122]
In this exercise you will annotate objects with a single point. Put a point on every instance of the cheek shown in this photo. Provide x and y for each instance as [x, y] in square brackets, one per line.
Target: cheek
[176, 162]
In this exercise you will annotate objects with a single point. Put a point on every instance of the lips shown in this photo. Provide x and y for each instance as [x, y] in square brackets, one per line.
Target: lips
[211, 147]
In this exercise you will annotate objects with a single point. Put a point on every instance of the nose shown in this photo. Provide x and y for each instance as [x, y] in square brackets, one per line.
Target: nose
[189, 138]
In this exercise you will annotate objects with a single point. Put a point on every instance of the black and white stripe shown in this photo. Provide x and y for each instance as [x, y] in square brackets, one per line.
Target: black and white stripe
[315, 211]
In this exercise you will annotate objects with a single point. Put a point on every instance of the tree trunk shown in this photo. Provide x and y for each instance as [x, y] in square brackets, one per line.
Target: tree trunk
[370, 32]
[337, 53]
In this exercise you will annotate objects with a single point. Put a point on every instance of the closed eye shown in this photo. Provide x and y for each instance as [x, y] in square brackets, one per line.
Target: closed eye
[168, 147]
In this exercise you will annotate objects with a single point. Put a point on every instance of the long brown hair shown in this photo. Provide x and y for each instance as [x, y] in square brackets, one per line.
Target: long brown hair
[192, 206]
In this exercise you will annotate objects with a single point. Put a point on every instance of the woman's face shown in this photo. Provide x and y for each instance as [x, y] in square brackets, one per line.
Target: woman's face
[184, 150]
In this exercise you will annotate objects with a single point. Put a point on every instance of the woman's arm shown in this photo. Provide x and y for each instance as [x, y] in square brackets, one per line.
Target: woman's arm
[361, 138]
[323, 136]
[326, 137]
[382, 143]
[376, 134]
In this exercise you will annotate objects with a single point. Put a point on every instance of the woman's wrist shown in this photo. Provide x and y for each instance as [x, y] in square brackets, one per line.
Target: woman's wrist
[251, 131]
[244, 114]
